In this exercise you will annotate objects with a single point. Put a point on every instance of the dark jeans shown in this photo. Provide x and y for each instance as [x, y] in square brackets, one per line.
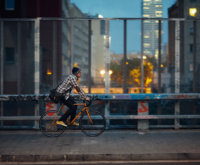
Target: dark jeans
[72, 109]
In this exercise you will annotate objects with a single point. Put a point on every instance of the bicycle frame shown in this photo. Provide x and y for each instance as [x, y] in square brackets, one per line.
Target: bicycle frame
[85, 108]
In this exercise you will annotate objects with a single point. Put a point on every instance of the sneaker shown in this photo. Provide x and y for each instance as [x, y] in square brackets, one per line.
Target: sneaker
[75, 124]
[61, 123]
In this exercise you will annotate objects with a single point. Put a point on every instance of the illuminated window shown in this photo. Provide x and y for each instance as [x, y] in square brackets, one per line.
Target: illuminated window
[146, 45]
[158, 13]
[146, 3]
[146, 36]
[146, 15]
[146, 21]
[146, 0]
[156, 21]
[158, 5]
[145, 7]
[157, 31]
[192, 12]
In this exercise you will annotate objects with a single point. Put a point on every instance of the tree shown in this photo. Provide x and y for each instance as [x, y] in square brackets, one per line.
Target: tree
[133, 71]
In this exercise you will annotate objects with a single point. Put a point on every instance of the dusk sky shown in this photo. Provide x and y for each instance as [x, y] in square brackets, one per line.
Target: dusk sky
[123, 8]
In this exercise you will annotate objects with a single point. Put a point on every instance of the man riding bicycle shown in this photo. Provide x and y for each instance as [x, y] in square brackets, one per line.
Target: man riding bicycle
[67, 85]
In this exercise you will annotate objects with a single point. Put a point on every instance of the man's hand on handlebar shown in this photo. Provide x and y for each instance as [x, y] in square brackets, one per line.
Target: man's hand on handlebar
[87, 99]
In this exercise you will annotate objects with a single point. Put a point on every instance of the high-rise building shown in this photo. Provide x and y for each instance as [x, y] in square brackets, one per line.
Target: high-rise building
[151, 9]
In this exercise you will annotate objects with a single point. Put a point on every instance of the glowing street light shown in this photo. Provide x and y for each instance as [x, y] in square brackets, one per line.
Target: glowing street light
[102, 72]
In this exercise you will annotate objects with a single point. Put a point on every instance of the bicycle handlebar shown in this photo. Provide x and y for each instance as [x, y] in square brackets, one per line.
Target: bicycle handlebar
[87, 105]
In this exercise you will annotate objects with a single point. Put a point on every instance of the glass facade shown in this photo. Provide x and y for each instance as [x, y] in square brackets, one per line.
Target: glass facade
[151, 9]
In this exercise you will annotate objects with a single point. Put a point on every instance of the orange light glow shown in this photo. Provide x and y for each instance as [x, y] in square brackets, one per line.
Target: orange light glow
[49, 72]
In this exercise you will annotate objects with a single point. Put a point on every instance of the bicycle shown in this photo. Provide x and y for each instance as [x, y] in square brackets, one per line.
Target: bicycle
[92, 123]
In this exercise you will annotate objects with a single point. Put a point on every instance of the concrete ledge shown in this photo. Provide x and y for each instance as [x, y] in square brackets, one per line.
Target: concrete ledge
[100, 157]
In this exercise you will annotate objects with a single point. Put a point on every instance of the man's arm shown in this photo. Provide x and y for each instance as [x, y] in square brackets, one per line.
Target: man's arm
[78, 89]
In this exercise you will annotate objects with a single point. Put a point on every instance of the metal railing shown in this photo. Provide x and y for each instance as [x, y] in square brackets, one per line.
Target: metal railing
[89, 19]
[142, 112]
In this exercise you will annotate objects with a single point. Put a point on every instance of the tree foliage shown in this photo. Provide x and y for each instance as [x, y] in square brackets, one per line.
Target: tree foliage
[133, 72]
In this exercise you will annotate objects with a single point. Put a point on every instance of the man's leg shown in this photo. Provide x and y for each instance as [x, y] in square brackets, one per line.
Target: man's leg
[73, 114]
[72, 109]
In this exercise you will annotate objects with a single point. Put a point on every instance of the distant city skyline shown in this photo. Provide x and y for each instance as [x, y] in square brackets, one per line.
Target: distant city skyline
[121, 9]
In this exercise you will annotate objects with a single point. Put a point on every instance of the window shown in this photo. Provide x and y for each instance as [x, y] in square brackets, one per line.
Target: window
[146, 45]
[158, 13]
[146, 15]
[190, 67]
[193, 2]
[158, 5]
[102, 27]
[191, 29]
[145, 7]
[192, 12]
[9, 55]
[191, 48]
[10, 4]
[157, 33]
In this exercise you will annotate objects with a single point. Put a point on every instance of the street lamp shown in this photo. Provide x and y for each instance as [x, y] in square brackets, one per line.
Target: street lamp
[102, 72]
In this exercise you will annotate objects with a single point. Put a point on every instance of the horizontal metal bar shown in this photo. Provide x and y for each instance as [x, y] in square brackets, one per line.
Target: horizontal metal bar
[143, 96]
[16, 19]
[110, 126]
[92, 18]
[113, 117]
[173, 126]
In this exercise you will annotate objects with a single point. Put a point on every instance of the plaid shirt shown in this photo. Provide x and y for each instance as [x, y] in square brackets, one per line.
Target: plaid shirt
[68, 84]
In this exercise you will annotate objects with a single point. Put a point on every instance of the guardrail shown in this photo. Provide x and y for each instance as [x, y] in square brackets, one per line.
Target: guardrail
[143, 110]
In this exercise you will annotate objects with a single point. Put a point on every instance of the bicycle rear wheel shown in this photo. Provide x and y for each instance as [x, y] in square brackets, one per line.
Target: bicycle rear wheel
[46, 124]
[95, 126]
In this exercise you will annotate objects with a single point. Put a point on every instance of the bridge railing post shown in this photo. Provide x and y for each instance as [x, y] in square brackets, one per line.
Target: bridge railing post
[143, 109]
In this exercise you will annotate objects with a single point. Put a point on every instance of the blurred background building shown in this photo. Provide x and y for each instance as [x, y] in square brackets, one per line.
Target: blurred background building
[184, 9]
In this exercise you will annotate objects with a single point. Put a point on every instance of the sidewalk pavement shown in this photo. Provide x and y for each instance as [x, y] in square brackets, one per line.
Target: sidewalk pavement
[112, 145]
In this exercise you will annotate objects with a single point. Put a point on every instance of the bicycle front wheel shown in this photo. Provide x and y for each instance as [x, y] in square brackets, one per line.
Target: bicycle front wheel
[93, 125]
[48, 127]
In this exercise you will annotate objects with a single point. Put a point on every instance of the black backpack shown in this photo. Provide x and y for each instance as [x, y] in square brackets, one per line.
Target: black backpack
[55, 96]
